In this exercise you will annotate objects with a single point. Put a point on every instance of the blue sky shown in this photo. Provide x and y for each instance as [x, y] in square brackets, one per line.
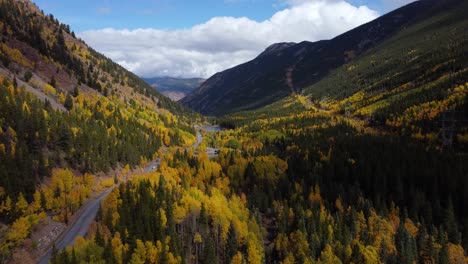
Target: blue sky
[199, 38]
[168, 14]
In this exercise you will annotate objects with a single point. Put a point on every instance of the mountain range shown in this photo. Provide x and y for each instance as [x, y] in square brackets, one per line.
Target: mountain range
[174, 88]
[288, 68]
[349, 150]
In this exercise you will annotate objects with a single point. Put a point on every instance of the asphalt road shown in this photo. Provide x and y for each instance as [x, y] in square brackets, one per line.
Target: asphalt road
[77, 228]
[88, 214]
[86, 217]
[199, 140]
[152, 166]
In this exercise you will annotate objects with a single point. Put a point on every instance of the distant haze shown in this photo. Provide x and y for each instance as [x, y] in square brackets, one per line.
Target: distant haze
[174, 88]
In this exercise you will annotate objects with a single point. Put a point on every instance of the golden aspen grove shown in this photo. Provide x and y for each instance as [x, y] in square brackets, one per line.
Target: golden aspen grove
[367, 162]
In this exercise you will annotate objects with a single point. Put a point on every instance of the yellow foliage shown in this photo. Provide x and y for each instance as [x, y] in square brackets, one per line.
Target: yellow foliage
[314, 196]
[15, 55]
[197, 238]
[411, 228]
[107, 183]
[21, 205]
[254, 250]
[35, 206]
[162, 212]
[237, 259]
[328, 257]
[456, 254]
[49, 90]
[118, 249]
[18, 231]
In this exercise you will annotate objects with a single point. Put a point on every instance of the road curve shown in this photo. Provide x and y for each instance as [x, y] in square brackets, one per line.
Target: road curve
[86, 217]
[77, 228]
[88, 214]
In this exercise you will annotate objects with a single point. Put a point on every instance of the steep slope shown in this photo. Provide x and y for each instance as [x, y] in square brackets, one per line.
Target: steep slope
[174, 88]
[286, 68]
[65, 105]
[413, 84]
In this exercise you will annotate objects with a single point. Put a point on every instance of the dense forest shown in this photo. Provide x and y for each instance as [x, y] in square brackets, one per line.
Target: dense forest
[71, 123]
[368, 165]
[306, 187]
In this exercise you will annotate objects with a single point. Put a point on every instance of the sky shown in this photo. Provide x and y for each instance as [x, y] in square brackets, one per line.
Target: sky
[189, 38]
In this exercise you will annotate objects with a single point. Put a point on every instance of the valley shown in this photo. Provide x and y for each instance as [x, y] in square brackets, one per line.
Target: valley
[174, 88]
[349, 150]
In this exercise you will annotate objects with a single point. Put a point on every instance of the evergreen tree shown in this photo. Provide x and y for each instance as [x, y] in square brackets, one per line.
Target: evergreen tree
[465, 236]
[75, 92]
[53, 82]
[98, 238]
[450, 224]
[231, 243]
[68, 102]
[54, 257]
[444, 255]
[405, 245]
[27, 75]
[209, 251]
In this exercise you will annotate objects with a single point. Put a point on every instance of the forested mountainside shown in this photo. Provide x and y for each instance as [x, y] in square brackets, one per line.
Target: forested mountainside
[303, 186]
[63, 105]
[287, 68]
[327, 175]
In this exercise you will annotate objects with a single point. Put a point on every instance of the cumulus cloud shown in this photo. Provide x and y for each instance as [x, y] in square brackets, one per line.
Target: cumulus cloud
[223, 42]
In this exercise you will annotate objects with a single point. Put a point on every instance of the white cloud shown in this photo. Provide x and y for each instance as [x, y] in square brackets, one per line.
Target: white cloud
[223, 42]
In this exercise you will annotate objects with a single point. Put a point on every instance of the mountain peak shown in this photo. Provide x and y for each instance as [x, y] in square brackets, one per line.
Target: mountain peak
[277, 47]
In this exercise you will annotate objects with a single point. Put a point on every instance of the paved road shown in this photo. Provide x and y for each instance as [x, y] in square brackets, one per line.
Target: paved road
[199, 140]
[152, 166]
[86, 217]
[78, 228]
[88, 213]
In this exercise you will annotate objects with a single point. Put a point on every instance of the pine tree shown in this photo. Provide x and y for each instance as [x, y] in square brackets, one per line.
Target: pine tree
[405, 245]
[54, 257]
[27, 76]
[75, 92]
[53, 82]
[465, 236]
[74, 259]
[450, 224]
[98, 238]
[444, 255]
[231, 243]
[68, 102]
[209, 251]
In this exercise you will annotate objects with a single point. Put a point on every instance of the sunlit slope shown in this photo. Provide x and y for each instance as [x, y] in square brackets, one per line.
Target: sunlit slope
[409, 81]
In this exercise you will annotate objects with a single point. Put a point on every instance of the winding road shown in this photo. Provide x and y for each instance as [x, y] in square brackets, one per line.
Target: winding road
[77, 228]
[86, 217]
[89, 211]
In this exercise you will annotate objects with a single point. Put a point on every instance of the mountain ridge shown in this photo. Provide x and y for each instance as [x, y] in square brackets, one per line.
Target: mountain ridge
[174, 88]
[272, 76]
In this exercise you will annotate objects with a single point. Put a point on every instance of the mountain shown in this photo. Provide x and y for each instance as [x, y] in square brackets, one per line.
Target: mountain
[174, 88]
[366, 165]
[65, 105]
[288, 68]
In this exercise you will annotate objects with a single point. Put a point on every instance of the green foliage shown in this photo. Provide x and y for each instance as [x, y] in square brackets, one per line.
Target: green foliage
[68, 103]
[27, 75]
[31, 129]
